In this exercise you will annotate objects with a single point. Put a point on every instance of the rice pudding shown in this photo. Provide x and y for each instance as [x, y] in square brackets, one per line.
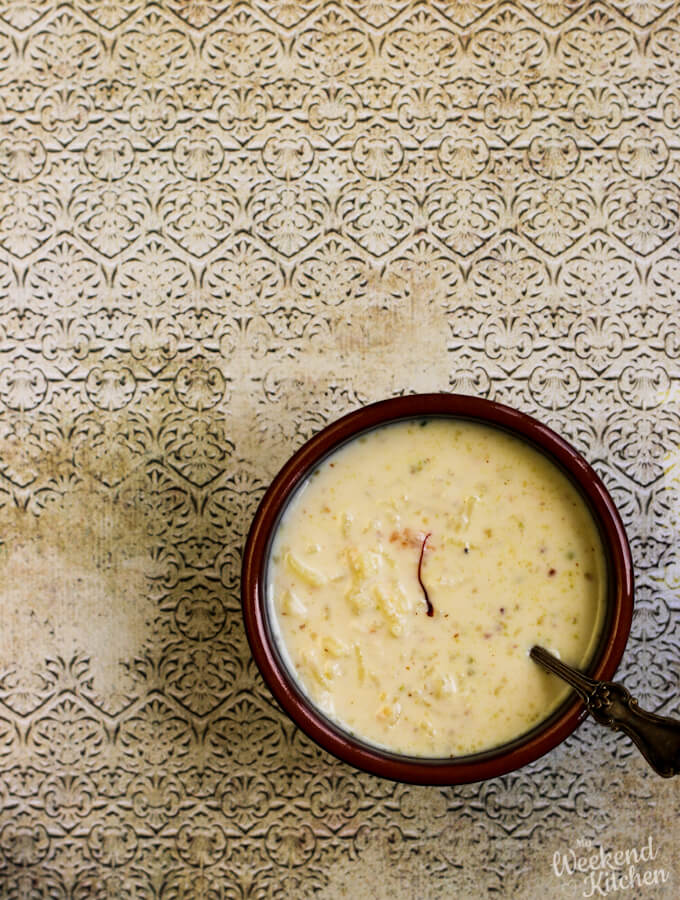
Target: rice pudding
[411, 574]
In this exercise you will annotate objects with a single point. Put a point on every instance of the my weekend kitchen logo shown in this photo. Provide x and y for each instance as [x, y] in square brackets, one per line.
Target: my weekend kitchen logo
[607, 872]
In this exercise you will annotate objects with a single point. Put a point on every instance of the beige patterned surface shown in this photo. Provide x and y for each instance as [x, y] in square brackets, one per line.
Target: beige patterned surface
[221, 226]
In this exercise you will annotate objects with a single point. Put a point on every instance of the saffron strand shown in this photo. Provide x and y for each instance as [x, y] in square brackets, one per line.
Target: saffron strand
[430, 608]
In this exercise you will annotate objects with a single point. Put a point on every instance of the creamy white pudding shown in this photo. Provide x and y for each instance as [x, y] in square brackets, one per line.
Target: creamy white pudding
[413, 571]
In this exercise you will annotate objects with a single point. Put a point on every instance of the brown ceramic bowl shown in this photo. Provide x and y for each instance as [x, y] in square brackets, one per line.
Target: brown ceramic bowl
[424, 770]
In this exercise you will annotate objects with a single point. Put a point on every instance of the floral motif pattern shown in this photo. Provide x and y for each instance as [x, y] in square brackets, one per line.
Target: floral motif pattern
[223, 225]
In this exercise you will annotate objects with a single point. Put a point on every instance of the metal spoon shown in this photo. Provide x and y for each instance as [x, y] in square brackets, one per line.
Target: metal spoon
[610, 703]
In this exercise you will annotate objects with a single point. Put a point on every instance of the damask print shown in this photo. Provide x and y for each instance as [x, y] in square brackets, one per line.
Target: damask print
[334, 275]
[287, 846]
[464, 218]
[109, 218]
[64, 112]
[201, 844]
[552, 12]
[288, 218]
[639, 449]
[109, 157]
[244, 733]
[421, 275]
[599, 46]
[22, 15]
[27, 219]
[199, 156]
[288, 12]
[112, 843]
[156, 736]
[422, 110]
[550, 218]
[377, 154]
[24, 843]
[509, 278]
[222, 226]
[599, 339]
[332, 110]
[241, 48]
[7, 739]
[331, 46]
[508, 47]
[198, 219]
[22, 385]
[599, 110]
[644, 217]
[22, 157]
[247, 798]
[463, 155]
[200, 615]
[197, 679]
[510, 340]
[642, 12]
[288, 155]
[376, 93]
[377, 218]
[110, 13]
[553, 153]
[420, 48]
[601, 277]
[154, 343]
[109, 387]
[462, 13]
[645, 385]
[197, 448]
[508, 110]
[65, 51]
[152, 278]
[554, 386]
[242, 111]
[643, 154]
[69, 798]
[155, 51]
[153, 112]
[198, 13]
[663, 46]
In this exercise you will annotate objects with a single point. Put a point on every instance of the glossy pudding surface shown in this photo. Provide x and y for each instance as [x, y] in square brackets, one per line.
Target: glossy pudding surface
[413, 570]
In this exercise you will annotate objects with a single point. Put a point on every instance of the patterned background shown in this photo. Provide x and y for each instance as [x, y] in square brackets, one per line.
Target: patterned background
[223, 225]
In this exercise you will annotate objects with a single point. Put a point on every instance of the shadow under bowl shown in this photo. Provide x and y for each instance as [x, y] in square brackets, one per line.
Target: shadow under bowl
[425, 770]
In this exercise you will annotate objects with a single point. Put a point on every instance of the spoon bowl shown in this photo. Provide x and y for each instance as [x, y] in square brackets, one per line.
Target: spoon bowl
[610, 703]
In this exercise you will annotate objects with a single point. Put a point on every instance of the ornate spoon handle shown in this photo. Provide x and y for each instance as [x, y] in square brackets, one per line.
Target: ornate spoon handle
[610, 703]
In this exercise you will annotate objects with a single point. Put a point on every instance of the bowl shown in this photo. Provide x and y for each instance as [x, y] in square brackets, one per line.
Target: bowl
[489, 763]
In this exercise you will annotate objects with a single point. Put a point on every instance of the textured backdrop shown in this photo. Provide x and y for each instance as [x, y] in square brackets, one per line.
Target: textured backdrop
[221, 226]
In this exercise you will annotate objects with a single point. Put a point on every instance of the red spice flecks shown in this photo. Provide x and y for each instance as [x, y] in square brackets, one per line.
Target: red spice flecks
[406, 538]
[552, 572]
[430, 608]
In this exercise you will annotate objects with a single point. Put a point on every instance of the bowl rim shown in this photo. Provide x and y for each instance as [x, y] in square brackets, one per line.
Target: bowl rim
[456, 770]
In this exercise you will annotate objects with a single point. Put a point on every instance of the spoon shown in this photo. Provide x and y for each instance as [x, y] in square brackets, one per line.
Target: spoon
[610, 703]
